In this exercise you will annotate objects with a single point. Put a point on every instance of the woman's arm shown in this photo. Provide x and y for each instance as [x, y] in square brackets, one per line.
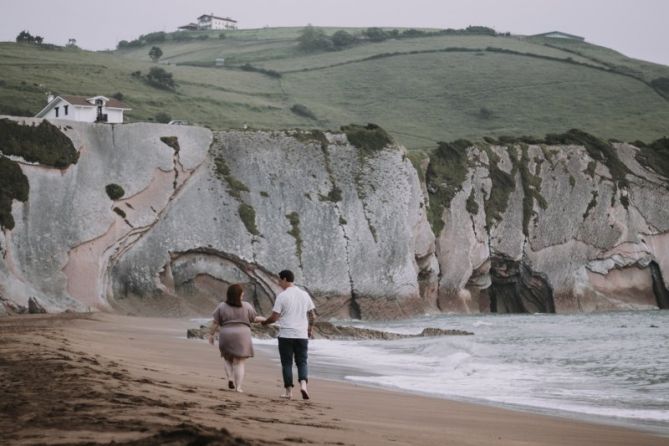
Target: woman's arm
[214, 327]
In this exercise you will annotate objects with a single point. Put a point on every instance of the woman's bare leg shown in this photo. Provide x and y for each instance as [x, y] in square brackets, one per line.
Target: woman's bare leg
[238, 372]
[228, 371]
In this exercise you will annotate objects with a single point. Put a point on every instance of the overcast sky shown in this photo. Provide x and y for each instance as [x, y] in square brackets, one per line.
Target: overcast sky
[636, 28]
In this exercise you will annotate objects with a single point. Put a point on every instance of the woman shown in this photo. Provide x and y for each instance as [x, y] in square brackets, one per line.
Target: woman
[234, 317]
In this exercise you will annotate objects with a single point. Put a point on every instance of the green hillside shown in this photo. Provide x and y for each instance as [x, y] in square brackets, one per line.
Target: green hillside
[422, 90]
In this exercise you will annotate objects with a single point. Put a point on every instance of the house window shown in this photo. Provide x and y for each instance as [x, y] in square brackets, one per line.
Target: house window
[57, 111]
[65, 107]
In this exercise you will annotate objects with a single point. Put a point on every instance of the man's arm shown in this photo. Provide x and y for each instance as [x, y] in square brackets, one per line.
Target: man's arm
[214, 327]
[273, 318]
[311, 315]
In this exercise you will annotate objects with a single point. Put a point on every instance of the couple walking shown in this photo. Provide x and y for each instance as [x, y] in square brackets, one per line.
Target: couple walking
[294, 309]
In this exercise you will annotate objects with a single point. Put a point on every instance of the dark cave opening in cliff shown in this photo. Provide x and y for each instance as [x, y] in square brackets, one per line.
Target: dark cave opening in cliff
[659, 289]
[516, 288]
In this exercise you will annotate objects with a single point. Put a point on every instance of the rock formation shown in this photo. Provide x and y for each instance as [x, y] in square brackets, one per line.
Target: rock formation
[540, 228]
[520, 227]
[202, 210]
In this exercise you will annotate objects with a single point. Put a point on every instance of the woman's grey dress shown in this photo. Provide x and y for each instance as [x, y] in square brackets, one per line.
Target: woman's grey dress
[234, 336]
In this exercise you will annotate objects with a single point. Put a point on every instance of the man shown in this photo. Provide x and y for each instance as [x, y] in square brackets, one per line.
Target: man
[296, 311]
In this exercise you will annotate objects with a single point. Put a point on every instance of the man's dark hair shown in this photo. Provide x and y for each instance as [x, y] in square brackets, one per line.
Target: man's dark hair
[287, 275]
[234, 297]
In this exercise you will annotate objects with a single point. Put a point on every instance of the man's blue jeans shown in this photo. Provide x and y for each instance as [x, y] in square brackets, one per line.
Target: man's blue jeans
[290, 348]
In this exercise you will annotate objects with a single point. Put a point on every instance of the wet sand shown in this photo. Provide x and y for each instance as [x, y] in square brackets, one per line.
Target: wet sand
[94, 379]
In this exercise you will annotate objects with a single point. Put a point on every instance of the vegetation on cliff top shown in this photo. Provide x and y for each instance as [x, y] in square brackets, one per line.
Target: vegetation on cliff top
[44, 143]
[448, 168]
[598, 150]
[370, 138]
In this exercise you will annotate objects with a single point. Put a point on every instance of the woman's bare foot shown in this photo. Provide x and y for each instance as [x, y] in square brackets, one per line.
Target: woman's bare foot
[240, 391]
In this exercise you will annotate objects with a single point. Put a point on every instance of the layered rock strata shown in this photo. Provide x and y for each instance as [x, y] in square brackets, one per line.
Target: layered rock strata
[567, 235]
[202, 210]
[519, 227]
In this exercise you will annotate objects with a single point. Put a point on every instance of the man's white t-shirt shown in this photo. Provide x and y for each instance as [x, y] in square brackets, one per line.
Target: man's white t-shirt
[293, 304]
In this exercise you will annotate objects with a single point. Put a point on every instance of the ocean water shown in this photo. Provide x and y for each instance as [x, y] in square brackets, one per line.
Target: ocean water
[611, 365]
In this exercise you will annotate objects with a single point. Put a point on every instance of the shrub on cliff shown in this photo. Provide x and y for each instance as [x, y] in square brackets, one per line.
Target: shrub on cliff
[162, 117]
[171, 141]
[44, 143]
[114, 191]
[445, 174]
[248, 216]
[655, 156]
[13, 186]
[370, 138]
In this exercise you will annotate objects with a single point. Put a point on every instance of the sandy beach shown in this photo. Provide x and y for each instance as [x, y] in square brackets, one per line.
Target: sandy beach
[101, 378]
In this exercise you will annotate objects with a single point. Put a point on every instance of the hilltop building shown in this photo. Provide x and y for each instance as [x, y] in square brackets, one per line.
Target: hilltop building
[208, 22]
[560, 35]
[81, 108]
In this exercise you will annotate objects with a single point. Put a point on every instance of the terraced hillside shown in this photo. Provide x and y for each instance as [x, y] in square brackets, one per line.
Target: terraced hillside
[422, 90]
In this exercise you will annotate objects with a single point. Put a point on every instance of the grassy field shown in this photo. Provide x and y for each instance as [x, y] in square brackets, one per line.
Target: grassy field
[422, 90]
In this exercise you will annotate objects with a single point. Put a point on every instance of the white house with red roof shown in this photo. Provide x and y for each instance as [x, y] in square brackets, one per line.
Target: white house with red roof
[210, 21]
[81, 108]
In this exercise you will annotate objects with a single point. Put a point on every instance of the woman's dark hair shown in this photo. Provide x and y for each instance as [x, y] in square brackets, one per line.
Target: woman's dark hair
[234, 297]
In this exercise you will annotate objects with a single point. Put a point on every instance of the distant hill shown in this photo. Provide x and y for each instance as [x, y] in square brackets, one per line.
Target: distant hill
[422, 89]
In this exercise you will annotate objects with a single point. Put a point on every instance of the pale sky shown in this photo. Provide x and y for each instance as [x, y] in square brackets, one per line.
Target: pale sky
[636, 28]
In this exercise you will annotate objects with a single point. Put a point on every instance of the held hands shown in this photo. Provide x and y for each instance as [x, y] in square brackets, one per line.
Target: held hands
[211, 338]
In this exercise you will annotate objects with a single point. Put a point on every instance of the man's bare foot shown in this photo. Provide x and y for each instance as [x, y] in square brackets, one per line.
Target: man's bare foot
[303, 390]
[240, 391]
[287, 393]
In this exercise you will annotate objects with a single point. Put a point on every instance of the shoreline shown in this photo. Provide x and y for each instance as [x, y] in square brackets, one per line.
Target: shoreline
[100, 377]
[338, 374]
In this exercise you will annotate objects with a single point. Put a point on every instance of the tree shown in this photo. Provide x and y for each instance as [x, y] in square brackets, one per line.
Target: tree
[342, 39]
[26, 37]
[314, 39]
[156, 37]
[155, 53]
[160, 78]
[375, 34]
